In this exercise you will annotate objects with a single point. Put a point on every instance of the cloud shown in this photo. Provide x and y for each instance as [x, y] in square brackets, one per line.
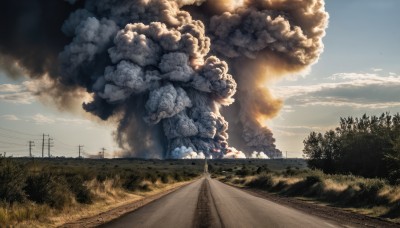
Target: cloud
[72, 121]
[298, 130]
[376, 69]
[356, 90]
[10, 88]
[42, 119]
[16, 94]
[10, 117]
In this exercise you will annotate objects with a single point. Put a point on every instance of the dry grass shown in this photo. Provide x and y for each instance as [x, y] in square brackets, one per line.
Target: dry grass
[107, 197]
[107, 194]
[69, 189]
[372, 197]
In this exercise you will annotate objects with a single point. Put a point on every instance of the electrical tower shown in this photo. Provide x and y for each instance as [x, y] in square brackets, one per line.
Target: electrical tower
[80, 150]
[31, 144]
[102, 152]
[43, 145]
[50, 143]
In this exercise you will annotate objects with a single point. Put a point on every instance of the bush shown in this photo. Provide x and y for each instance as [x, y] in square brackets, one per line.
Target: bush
[12, 181]
[263, 169]
[178, 176]
[46, 188]
[243, 172]
[262, 182]
[164, 178]
[132, 182]
[81, 192]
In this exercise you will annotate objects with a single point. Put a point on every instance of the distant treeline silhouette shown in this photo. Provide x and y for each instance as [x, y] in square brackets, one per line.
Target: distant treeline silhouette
[368, 146]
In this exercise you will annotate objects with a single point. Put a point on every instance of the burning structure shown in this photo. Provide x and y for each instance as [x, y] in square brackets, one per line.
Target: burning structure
[160, 68]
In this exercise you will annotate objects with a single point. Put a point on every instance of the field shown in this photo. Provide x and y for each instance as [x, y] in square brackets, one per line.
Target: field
[49, 192]
[290, 178]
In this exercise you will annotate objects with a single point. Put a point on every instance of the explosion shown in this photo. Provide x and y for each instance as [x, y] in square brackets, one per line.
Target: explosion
[161, 67]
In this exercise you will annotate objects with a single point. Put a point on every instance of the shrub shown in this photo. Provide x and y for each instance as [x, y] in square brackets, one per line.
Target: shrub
[12, 181]
[152, 177]
[263, 169]
[243, 172]
[46, 188]
[262, 182]
[164, 178]
[178, 176]
[132, 182]
[81, 192]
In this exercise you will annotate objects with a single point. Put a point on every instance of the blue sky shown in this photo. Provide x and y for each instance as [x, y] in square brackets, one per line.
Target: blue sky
[359, 72]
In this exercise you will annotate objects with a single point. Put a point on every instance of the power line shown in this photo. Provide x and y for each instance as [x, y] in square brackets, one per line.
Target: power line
[10, 143]
[11, 137]
[18, 132]
[14, 150]
[65, 144]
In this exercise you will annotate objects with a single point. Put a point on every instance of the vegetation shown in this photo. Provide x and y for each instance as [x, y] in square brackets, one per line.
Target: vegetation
[371, 196]
[366, 146]
[34, 189]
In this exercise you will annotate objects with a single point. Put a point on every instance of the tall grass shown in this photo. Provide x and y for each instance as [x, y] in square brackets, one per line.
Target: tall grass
[35, 190]
[338, 190]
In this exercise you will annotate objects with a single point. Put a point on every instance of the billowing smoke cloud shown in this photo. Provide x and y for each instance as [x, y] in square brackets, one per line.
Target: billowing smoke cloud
[186, 153]
[263, 39]
[233, 153]
[259, 155]
[160, 67]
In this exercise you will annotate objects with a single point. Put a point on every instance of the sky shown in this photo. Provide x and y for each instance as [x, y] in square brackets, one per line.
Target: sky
[358, 72]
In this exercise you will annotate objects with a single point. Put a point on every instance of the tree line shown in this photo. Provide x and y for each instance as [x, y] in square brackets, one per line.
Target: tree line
[368, 146]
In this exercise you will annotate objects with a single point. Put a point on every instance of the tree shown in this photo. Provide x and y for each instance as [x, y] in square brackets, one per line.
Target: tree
[366, 146]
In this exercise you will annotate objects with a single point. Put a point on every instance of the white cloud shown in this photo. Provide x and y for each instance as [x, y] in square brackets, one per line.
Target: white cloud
[42, 119]
[376, 69]
[10, 88]
[16, 94]
[10, 117]
[17, 98]
[72, 121]
[357, 90]
[338, 80]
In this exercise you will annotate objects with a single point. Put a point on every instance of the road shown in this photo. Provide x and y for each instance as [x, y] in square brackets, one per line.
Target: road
[210, 203]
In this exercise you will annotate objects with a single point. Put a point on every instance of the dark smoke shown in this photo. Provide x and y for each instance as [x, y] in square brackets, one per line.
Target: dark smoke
[162, 74]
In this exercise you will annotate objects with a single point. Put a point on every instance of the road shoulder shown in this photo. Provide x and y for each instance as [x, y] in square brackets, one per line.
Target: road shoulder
[119, 211]
[338, 215]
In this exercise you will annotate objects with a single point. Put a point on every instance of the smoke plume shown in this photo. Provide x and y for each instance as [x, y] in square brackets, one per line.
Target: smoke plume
[171, 73]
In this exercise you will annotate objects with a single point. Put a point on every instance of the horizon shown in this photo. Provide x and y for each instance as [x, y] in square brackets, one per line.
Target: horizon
[357, 73]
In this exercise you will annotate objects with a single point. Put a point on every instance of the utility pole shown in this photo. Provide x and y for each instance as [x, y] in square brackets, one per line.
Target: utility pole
[31, 144]
[49, 144]
[101, 153]
[43, 145]
[80, 147]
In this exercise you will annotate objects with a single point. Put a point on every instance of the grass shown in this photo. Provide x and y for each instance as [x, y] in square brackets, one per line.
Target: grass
[50, 192]
[372, 197]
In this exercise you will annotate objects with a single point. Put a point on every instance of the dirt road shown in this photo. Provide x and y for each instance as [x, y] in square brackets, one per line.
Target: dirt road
[210, 203]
